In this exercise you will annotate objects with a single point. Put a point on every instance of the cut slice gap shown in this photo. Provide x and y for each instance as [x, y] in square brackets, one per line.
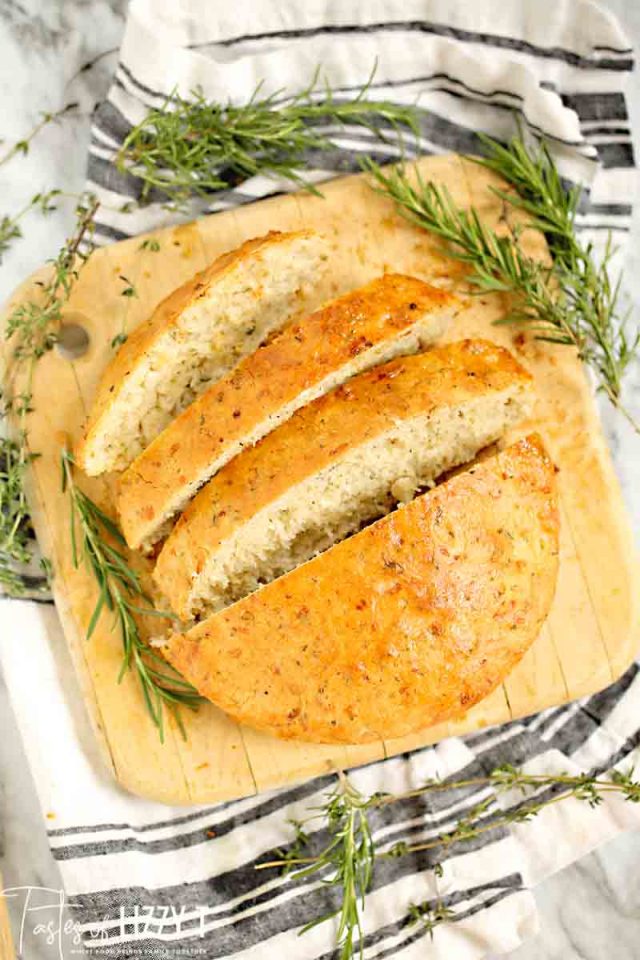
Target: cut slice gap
[194, 337]
[359, 488]
[390, 317]
[345, 457]
[403, 492]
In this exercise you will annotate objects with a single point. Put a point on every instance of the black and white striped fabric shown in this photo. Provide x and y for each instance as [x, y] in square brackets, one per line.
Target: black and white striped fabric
[178, 882]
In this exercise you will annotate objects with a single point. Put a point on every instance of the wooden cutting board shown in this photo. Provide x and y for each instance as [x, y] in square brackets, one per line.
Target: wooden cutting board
[7, 951]
[591, 635]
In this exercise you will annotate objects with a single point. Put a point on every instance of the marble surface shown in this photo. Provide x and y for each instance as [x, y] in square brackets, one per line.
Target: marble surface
[43, 45]
[587, 909]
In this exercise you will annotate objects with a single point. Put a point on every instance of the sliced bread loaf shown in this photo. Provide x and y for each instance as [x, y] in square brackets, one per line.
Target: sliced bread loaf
[407, 624]
[391, 316]
[195, 336]
[343, 460]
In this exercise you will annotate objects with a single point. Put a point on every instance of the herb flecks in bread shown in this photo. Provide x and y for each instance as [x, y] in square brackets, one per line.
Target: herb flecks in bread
[196, 335]
[391, 316]
[339, 462]
[407, 624]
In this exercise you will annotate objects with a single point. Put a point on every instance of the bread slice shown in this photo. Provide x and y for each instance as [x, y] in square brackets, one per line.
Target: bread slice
[390, 316]
[407, 624]
[341, 461]
[193, 337]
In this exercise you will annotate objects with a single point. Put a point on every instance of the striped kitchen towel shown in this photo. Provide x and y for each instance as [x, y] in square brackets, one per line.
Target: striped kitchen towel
[147, 880]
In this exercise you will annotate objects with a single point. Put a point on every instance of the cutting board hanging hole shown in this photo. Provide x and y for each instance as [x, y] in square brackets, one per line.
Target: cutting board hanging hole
[73, 341]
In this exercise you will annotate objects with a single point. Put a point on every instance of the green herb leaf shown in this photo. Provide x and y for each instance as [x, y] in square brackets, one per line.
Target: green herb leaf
[32, 330]
[22, 146]
[120, 591]
[347, 861]
[430, 914]
[129, 289]
[192, 147]
[573, 301]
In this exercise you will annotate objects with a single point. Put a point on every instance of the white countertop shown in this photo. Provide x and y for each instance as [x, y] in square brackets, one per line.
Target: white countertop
[586, 910]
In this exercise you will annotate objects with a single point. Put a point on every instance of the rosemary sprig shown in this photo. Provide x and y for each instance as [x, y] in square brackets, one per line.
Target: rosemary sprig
[32, 330]
[572, 301]
[193, 146]
[348, 857]
[591, 297]
[350, 854]
[100, 548]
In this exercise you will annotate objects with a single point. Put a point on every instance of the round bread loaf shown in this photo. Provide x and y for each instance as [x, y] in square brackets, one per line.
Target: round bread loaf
[406, 624]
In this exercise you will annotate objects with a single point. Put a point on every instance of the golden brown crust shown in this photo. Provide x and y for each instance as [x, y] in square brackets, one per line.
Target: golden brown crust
[404, 625]
[165, 316]
[320, 434]
[297, 359]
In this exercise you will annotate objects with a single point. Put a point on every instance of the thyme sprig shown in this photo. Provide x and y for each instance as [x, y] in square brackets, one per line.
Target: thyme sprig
[22, 146]
[33, 326]
[10, 225]
[97, 543]
[192, 147]
[430, 915]
[348, 859]
[16, 538]
[573, 300]
[31, 330]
